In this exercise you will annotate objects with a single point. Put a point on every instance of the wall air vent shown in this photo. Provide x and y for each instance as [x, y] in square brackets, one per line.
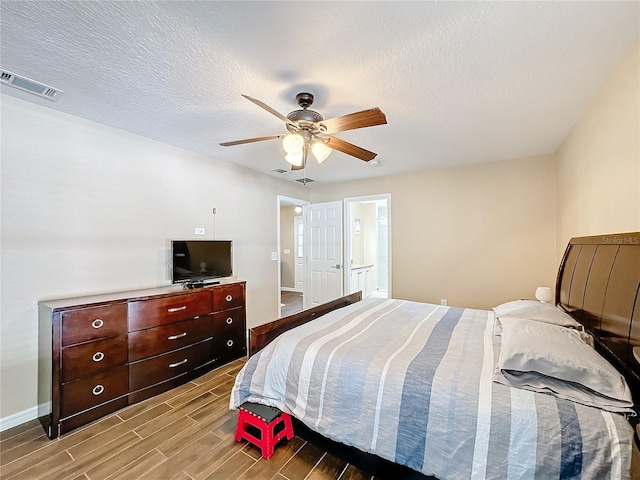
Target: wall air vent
[281, 171]
[304, 180]
[28, 85]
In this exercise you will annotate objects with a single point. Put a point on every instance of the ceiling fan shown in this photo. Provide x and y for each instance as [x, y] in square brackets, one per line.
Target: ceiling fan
[308, 130]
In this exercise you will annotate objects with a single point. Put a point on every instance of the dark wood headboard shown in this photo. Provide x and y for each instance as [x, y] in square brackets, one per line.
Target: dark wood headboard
[599, 285]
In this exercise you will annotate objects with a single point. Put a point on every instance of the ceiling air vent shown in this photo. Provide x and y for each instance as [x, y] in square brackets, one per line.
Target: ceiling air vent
[304, 180]
[28, 85]
[281, 171]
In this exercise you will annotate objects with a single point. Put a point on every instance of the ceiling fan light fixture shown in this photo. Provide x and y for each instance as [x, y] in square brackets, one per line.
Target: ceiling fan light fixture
[294, 158]
[293, 144]
[308, 130]
[320, 151]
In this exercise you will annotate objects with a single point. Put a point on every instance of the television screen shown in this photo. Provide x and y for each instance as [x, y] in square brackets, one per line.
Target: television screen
[201, 261]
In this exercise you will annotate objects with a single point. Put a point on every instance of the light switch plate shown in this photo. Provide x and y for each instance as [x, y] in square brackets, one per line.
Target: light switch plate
[287, 251]
[274, 255]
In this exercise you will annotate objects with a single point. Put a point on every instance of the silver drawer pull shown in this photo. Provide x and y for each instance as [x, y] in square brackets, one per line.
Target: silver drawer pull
[97, 323]
[228, 298]
[175, 337]
[229, 320]
[177, 364]
[177, 309]
[229, 343]
[98, 389]
[97, 356]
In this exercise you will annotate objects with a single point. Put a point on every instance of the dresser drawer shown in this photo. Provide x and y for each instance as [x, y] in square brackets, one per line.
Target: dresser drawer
[153, 313]
[229, 333]
[87, 324]
[91, 358]
[230, 296]
[150, 371]
[69, 423]
[89, 392]
[228, 322]
[154, 341]
[230, 346]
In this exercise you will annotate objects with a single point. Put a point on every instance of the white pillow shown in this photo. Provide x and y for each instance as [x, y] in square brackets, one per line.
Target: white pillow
[550, 359]
[538, 311]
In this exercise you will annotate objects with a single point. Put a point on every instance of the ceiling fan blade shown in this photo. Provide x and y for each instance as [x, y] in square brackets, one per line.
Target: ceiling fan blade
[351, 121]
[350, 149]
[250, 140]
[269, 109]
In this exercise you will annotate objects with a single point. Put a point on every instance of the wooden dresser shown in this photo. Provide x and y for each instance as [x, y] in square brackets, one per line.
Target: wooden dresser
[101, 353]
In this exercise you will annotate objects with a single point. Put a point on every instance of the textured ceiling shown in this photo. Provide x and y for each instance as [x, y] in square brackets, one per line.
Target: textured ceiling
[460, 82]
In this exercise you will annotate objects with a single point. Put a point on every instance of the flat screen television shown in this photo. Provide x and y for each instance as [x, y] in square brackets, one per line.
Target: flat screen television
[200, 262]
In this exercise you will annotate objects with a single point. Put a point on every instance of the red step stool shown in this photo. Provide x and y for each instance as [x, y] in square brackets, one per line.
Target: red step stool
[256, 418]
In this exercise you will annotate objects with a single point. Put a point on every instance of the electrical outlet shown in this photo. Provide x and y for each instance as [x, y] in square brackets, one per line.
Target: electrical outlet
[200, 231]
[443, 301]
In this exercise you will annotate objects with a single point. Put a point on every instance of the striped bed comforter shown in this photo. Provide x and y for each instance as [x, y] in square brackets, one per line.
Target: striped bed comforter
[412, 383]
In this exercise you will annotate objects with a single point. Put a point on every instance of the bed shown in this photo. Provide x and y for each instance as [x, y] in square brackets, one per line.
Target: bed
[442, 390]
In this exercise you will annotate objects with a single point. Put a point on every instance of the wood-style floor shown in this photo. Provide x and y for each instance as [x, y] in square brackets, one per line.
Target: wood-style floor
[185, 433]
[291, 302]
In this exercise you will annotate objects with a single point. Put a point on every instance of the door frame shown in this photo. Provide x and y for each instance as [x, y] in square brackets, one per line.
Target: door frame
[296, 220]
[281, 201]
[347, 234]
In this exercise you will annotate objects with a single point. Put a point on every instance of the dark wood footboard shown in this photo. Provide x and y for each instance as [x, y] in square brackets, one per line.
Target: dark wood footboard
[261, 336]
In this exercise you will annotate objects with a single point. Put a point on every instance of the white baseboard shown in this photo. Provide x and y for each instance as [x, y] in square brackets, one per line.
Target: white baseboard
[289, 289]
[18, 418]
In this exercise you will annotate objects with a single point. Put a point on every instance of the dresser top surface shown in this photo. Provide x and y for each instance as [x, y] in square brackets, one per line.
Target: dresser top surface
[129, 295]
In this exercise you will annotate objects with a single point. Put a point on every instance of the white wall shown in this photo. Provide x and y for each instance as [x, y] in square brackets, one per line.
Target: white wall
[598, 180]
[87, 209]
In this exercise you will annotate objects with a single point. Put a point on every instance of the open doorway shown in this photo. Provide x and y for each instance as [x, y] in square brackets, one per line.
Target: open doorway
[291, 255]
[368, 245]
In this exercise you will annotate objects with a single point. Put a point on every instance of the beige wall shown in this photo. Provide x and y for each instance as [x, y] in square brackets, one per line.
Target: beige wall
[357, 238]
[364, 247]
[287, 260]
[87, 208]
[477, 235]
[598, 180]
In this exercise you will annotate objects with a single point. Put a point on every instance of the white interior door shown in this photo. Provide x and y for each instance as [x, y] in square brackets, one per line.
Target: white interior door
[323, 279]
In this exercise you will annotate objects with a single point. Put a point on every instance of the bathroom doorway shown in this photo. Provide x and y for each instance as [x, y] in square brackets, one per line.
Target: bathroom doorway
[368, 245]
